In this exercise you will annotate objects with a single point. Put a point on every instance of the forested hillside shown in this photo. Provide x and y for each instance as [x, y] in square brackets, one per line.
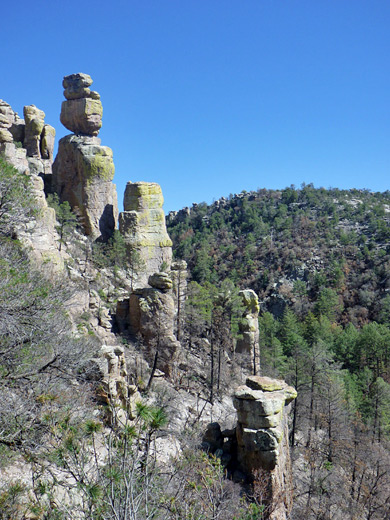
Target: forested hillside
[297, 247]
[319, 261]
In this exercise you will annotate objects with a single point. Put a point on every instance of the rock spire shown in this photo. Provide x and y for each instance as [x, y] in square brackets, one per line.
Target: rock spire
[262, 439]
[142, 224]
[83, 169]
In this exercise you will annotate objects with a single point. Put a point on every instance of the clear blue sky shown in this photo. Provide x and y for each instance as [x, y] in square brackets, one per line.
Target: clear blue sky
[211, 97]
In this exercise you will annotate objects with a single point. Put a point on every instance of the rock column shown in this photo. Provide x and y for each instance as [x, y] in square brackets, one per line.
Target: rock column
[142, 225]
[262, 441]
[248, 345]
[83, 169]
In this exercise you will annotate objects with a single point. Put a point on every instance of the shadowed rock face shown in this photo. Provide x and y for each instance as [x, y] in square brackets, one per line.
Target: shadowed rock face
[83, 170]
[262, 438]
[142, 224]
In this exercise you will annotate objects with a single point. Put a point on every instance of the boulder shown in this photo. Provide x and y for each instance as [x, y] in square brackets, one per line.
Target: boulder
[161, 281]
[47, 142]
[82, 116]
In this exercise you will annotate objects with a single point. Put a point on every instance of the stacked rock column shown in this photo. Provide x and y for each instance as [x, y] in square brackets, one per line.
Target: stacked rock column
[262, 441]
[83, 169]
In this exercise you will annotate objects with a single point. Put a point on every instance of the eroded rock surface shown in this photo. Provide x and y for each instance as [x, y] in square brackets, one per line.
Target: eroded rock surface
[83, 170]
[262, 439]
[142, 224]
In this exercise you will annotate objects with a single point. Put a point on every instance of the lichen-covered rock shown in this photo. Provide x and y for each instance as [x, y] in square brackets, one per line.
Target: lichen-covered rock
[5, 136]
[83, 169]
[142, 224]
[82, 175]
[262, 438]
[160, 281]
[75, 83]
[47, 142]
[82, 116]
[266, 384]
[82, 111]
[34, 123]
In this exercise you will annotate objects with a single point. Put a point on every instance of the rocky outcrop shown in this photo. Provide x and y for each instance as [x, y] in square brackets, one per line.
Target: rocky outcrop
[142, 224]
[262, 440]
[248, 345]
[11, 147]
[115, 390]
[150, 313]
[39, 234]
[83, 169]
[38, 142]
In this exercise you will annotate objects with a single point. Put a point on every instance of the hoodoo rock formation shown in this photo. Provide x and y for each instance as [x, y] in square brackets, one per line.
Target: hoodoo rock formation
[248, 344]
[150, 313]
[83, 169]
[115, 389]
[262, 439]
[142, 224]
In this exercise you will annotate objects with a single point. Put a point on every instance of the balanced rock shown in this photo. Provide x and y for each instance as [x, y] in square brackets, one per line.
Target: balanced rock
[82, 111]
[262, 438]
[142, 224]
[83, 169]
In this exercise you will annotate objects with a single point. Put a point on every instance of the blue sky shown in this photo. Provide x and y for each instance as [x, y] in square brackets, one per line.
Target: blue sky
[212, 97]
